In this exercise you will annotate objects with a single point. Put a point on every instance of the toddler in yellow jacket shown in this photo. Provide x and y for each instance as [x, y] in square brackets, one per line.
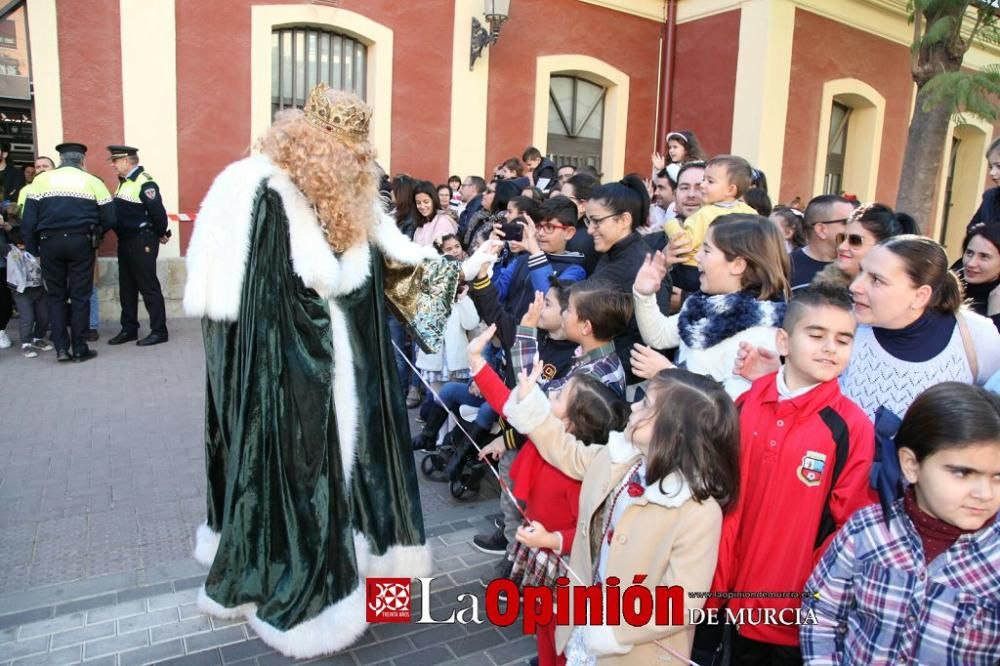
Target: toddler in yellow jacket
[727, 178]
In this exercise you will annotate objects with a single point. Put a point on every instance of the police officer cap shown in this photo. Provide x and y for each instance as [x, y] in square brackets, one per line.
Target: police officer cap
[122, 151]
[71, 148]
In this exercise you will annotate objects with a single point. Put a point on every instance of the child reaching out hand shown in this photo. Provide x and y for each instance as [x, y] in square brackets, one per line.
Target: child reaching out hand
[587, 408]
[678, 459]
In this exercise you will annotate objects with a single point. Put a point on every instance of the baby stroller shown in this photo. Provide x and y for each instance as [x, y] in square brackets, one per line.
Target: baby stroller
[456, 459]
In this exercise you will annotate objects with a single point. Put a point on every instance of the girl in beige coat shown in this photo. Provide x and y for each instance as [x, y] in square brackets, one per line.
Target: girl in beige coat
[651, 504]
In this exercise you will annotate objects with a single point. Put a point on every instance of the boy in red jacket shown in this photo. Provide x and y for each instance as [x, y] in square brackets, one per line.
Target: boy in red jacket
[805, 455]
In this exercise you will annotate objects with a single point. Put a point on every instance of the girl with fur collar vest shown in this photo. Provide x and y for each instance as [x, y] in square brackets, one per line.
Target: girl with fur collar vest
[743, 281]
[650, 506]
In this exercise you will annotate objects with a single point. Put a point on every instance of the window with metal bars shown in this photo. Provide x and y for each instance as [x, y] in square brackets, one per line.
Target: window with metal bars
[301, 57]
[576, 121]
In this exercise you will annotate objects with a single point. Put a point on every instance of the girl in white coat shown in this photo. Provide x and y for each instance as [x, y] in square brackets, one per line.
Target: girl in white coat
[743, 270]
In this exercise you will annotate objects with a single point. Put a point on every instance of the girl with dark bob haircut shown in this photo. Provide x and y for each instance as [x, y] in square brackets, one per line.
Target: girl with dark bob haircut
[924, 564]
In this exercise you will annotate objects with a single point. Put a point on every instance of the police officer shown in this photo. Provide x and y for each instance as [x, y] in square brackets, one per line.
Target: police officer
[142, 227]
[66, 213]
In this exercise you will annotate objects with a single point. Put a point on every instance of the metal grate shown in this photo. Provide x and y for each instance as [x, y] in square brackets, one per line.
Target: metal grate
[576, 121]
[303, 57]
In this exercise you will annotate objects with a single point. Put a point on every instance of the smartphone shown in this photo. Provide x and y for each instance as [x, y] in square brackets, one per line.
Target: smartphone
[513, 230]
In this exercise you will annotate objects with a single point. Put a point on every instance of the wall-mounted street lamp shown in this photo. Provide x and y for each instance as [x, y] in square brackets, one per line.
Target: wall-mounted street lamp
[496, 11]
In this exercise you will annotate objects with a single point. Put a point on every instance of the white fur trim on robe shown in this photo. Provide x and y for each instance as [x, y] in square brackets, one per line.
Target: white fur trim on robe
[220, 244]
[397, 562]
[337, 626]
[210, 606]
[206, 544]
[217, 254]
[345, 395]
[401, 562]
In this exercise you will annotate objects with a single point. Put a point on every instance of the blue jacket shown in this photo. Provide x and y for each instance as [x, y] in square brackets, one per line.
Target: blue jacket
[465, 216]
[517, 282]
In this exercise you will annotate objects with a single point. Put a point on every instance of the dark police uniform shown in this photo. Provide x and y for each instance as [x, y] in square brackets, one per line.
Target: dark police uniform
[141, 222]
[64, 216]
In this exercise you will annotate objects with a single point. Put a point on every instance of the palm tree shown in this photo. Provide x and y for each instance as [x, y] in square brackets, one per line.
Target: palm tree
[943, 31]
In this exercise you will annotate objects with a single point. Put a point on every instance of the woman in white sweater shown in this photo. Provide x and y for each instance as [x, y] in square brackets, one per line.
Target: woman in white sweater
[913, 332]
[743, 282]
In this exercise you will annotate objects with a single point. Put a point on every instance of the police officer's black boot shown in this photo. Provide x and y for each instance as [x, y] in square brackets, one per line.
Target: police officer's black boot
[122, 337]
[427, 439]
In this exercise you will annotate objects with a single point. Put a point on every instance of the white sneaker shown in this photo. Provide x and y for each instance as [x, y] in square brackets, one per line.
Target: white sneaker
[41, 344]
[28, 351]
[4, 340]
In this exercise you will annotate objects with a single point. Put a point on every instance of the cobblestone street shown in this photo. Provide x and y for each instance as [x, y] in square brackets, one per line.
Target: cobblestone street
[101, 488]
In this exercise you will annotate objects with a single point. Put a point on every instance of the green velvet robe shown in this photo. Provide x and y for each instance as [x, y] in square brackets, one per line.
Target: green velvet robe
[297, 529]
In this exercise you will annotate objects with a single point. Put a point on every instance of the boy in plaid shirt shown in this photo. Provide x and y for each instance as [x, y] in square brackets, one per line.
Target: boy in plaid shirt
[917, 580]
[596, 314]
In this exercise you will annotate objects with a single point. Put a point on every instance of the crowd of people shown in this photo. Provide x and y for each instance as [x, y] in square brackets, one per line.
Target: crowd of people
[812, 387]
[808, 405]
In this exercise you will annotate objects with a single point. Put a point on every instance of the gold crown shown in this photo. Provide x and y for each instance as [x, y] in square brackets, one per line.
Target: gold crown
[348, 116]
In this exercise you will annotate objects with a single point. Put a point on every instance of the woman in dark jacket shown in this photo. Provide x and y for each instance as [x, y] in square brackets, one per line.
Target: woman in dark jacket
[989, 209]
[614, 212]
[981, 270]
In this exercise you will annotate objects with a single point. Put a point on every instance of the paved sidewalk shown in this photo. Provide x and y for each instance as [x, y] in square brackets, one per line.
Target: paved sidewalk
[101, 488]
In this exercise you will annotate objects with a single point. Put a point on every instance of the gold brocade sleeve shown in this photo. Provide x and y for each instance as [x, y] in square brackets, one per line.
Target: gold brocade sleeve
[421, 297]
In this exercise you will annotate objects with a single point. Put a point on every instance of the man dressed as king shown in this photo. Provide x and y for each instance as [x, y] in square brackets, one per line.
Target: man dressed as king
[311, 481]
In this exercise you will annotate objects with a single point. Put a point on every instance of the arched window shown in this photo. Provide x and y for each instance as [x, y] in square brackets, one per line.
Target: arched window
[576, 121]
[833, 180]
[849, 139]
[301, 57]
[960, 186]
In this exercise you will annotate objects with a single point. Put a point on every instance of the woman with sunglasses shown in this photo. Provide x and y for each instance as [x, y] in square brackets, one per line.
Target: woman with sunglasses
[868, 226]
[980, 271]
[913, 331]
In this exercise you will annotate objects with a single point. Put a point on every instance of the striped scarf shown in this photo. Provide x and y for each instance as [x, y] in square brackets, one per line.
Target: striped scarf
[706, 320]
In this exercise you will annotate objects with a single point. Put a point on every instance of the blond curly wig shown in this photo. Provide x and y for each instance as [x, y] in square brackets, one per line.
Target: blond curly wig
[336, 174]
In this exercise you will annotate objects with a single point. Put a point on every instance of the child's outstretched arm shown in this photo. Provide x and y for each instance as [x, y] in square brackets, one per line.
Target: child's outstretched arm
[658, 330]
[525, 349]
[828, 594]
[528, 411]
[493, 390]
